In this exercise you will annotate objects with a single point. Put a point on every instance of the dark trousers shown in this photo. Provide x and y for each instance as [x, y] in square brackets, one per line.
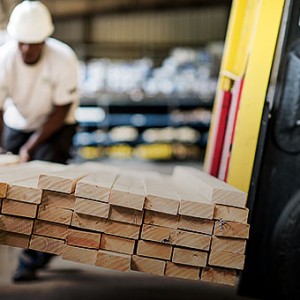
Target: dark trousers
[56, 149]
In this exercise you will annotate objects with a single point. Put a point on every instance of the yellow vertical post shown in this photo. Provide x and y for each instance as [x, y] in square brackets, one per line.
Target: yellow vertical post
[254, 93]
[239, 37]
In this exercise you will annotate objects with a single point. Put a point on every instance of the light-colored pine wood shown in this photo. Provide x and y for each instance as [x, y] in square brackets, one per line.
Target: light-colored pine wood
[19, 172]
[117, 244]
[228, 245]
[231, 229]
[3, 189]
[63, 181]
[122, 229]
[211, 188]
[230, 213]
[9, 159]
[113, 260]
[54, 214]
[161, 219]
[189, 257]
[148, 265]
[46, 244]
[128, 191]
[191, 202]
[16, 224]
[126, 215]
[219, 275]
[83, 239]
[157, 234]
[49, 229]
[80, 255]
[154, 250]
[92, 208]
[226, 259]
[25, 190]
[14, 239]
[88, 222]
[189, 206]
[191, 240]
[160, 196]
[196, 224]
[98, 184]
[176, 237]
[56, 199]
[17, 208]
[181, 271]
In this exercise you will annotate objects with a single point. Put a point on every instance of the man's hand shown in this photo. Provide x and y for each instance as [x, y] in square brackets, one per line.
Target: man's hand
[24, 154]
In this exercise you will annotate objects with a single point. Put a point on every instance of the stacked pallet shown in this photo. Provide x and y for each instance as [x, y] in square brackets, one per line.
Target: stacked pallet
[188, 225]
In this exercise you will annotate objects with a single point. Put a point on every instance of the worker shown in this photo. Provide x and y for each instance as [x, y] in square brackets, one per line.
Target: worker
[38, 99]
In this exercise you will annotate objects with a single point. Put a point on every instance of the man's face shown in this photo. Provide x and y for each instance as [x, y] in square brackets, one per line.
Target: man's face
[31, 53]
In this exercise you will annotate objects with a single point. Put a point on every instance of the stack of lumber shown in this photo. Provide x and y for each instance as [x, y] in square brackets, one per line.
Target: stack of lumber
[187, 225]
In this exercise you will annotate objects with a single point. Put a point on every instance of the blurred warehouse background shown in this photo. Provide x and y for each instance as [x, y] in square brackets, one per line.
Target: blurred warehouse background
[148, 74]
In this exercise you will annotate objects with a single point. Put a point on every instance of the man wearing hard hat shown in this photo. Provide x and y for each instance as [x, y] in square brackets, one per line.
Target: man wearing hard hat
[38, 98]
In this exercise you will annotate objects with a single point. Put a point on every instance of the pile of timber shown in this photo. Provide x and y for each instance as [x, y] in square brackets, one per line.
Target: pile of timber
[187, 225]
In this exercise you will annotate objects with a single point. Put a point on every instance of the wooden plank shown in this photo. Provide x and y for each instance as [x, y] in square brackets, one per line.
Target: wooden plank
[25, 190]
[98, 184]
[14, 239]
[181, 271]
[63, 181]
[193, 207]
[3, 189]
[88, 222]
[231, 229]
[80, 255]
[15, 173]
[128, 191]
[46, 244]
[49, 229]
[191, 240]
[54, 214]
[228, 245]
[161, 219]
[157, 234]
[22, 172]
[189, 257]
[56, 199]
[9, 159]
[219, 275]
[122, 229]
[148, 265]
[176, 237]
[196, 224]
[191, 202]
[160, 196]
[117, 244]
[91, 208]
[17, 208]
[16, 224]
[126, 215]
[230, 213]
[113, 260]
[154, 250]
[83, 239]
[211, 188]
[226, 259]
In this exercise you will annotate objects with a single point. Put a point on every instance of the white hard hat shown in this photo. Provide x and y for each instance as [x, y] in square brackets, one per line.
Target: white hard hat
[30, 22]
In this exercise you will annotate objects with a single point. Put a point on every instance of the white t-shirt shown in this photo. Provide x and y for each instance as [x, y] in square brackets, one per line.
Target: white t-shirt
[29, 92]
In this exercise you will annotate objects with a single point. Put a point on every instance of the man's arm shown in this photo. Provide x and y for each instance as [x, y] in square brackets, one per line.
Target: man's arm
[51, 126]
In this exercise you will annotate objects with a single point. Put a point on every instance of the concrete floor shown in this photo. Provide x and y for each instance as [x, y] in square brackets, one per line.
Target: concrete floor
[67, 280]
